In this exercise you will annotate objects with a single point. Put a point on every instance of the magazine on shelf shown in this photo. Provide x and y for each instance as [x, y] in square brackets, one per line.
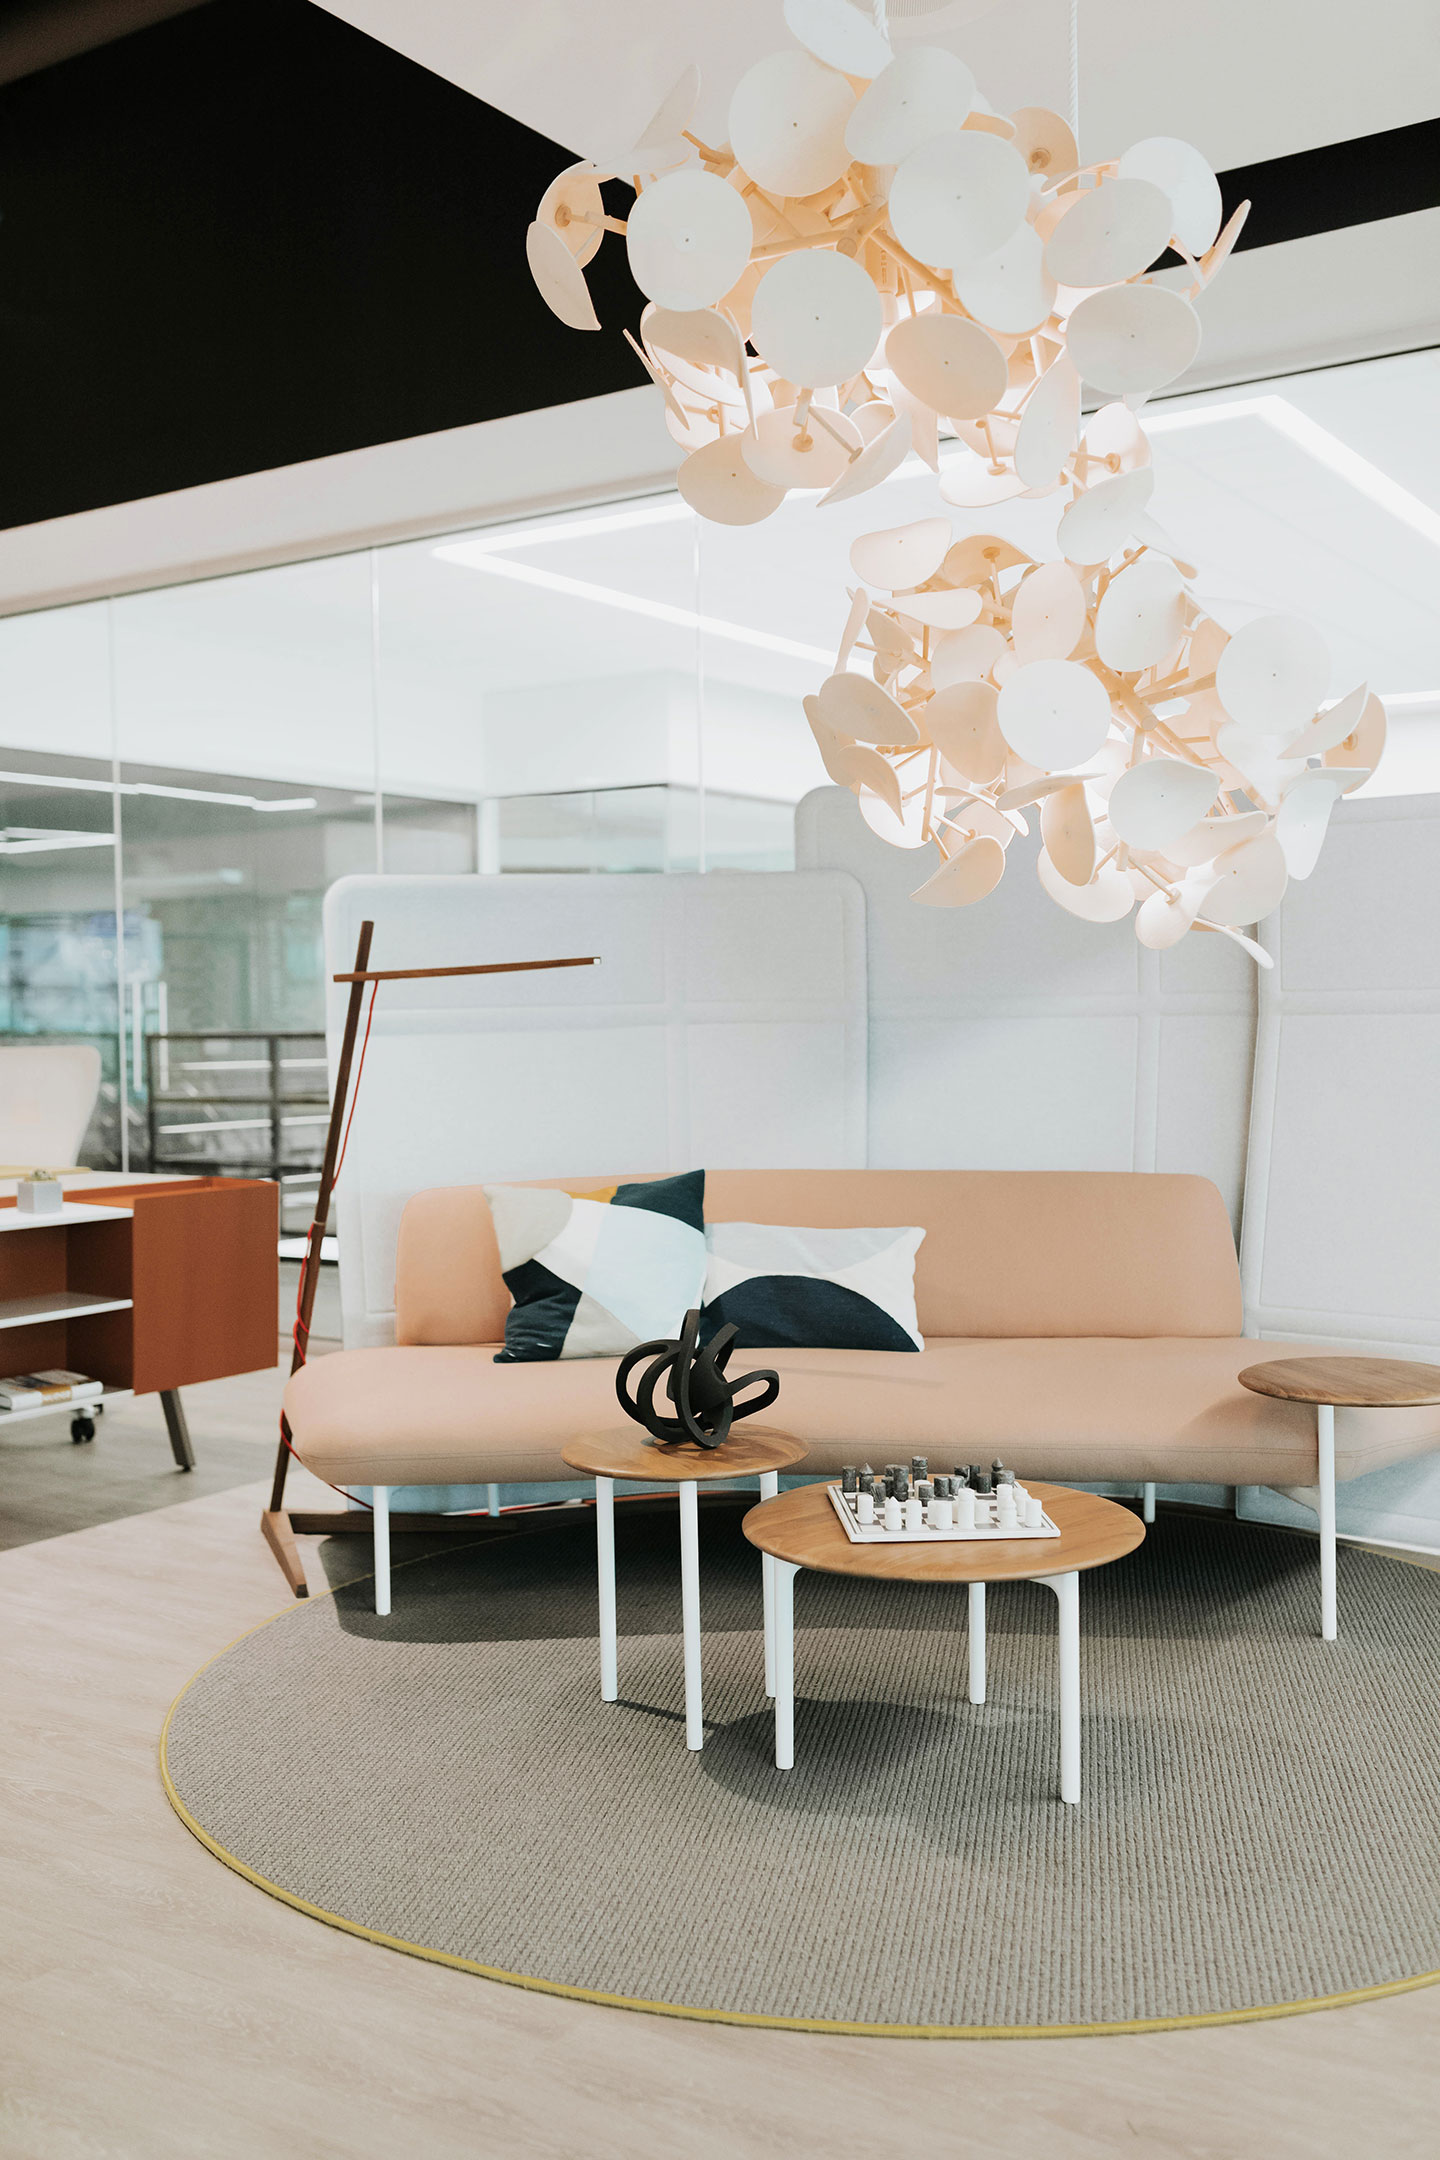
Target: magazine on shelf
[29, 1391]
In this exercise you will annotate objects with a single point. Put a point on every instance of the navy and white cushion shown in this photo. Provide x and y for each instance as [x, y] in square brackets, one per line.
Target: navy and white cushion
[783, 1287]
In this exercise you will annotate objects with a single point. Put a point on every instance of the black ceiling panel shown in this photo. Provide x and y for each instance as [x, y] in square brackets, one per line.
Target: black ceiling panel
[251, 235]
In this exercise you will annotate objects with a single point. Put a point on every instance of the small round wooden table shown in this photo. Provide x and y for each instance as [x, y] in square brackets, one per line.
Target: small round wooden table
[801, 1529]
[1352, 1383]
[628, 1453]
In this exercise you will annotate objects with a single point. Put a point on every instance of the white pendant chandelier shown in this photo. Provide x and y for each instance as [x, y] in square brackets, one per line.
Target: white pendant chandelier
[877, 256]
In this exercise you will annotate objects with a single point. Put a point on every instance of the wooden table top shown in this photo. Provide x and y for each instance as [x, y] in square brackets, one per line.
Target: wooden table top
[802, 1527]
[1362, 1383]
[627, 1451]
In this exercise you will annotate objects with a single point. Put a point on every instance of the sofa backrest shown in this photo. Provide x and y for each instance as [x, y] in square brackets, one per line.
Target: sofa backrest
[1006, 1252]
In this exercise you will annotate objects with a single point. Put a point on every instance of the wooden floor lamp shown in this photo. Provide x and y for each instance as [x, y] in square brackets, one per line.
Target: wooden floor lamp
[280, 1525]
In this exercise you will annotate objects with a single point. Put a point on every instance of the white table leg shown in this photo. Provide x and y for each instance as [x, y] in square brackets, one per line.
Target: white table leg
[492, 1499]
[769, 1486]
[977, 1642]
[380, 1524]
[1325, 1444]
[785, 1574]
[690, 1610]
[1067, 1597]
[1147, 1503]
[605, 1562]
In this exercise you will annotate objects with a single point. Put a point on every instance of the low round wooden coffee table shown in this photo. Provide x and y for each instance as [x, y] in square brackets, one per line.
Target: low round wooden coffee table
[627, 1453]
[1352, 1383]
[800, 1529]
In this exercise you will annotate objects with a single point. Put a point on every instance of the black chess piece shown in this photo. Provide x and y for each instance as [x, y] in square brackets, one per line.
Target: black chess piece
[695, 1382]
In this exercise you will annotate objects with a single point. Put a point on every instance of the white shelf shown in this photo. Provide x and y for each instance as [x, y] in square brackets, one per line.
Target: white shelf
[90, 1405]
[71, 1212]
[57, 1305]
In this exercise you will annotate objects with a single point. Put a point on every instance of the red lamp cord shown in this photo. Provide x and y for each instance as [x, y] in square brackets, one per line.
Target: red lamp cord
[300, 1334]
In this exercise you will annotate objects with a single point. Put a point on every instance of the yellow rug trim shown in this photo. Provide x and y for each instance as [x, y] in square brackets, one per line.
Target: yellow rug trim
[1252, 2015]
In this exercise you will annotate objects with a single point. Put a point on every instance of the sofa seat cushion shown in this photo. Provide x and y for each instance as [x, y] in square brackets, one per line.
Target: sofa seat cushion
[1157, 1407]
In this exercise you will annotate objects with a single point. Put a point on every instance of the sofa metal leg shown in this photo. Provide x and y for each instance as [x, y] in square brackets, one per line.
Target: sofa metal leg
[769, 1487]
[380, 1503]
[605, 1563]
[785, 1573]
[1325, 1448]
[1067, 1596]
[977, 1642]
[1147, 1503]
[690, 1612]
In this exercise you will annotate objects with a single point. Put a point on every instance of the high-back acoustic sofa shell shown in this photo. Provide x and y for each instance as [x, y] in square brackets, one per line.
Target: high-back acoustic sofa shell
[1081, 1325]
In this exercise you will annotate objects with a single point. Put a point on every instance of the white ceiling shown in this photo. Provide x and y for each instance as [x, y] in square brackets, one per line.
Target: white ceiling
[1242, 79]
[489, 683]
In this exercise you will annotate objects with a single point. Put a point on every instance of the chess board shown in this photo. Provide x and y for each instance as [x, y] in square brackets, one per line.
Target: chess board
[985, 1528]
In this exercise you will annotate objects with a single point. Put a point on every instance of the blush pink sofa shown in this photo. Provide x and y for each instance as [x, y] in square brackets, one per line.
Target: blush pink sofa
[1083, 1326]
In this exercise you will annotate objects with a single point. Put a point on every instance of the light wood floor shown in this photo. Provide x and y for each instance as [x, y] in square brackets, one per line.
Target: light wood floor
[153, 2006]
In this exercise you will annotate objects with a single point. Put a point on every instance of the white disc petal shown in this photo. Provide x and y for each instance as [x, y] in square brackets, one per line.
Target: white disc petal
[1101, 520]
[904, 556]
[853, 705]
[1249, 881]
[688, 238]
[1142, 616]
[958, 198]
[1273, 674]
[1131, 338]
[1068, 832]
[972, 871]
[1160, 800]
[787, 123]
[1010, 291]
[1049, 426]
[882, 455]
[1054, 714]
[924, 91]
[951, 365]
[1194, 192]
[1108, 897]
[962, 724]
[1110, 233]
[559, 278]
[963, 656]
[816, 318]
[1048, 614]
[719, 485]
[1304, 817]
[839, 35]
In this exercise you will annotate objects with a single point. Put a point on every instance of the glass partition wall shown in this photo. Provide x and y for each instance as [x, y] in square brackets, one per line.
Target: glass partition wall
[609, 690]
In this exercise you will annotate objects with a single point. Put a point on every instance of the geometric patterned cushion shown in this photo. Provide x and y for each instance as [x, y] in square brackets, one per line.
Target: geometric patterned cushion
[593, 1274]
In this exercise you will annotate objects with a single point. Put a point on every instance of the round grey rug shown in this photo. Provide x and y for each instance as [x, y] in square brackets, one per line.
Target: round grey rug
[1257, 1834]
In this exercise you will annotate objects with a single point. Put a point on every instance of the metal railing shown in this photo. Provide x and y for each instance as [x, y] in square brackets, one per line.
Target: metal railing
[239, 1103]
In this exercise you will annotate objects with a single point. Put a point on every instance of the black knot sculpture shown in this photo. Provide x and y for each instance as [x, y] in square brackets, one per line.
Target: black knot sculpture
[695, 1383]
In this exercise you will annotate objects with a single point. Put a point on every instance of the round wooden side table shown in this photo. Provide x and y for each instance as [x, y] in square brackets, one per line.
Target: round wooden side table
[628, 1453]
[800, 1529]
[1352, 1383]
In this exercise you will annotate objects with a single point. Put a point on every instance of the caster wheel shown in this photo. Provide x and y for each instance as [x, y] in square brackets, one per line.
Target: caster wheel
[81, 1428]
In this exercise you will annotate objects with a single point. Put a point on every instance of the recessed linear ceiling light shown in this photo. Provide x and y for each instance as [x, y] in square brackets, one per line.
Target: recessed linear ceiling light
[478, 553]
[146, 787]
[45, 840]
[470, 557]
[1325, 448]
[539, 535]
